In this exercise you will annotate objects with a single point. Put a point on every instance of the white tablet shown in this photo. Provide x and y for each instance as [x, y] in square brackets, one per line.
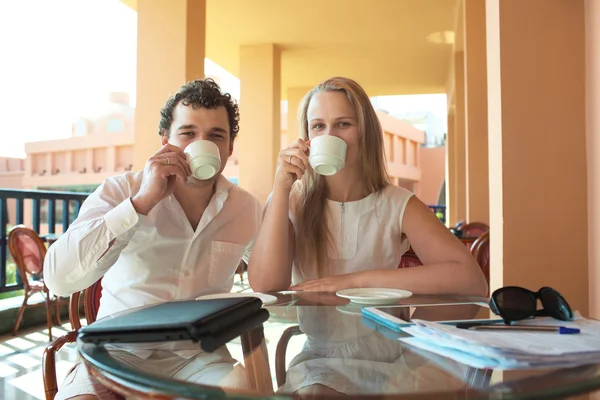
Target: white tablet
[398, 316]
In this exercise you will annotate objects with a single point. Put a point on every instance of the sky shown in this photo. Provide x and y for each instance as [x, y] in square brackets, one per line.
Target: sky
[59, 59]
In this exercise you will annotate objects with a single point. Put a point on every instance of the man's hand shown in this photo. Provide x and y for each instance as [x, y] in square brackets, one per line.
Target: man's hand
[161, 172]
[329, 284]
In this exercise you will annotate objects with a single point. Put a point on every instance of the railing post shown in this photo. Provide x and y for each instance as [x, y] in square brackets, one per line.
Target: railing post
[51, 216]
[65, 215]
[20, 218]
[77, 207]
[36, 215]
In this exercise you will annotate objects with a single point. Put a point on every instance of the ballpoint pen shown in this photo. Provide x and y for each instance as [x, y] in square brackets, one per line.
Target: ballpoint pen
[563, 330]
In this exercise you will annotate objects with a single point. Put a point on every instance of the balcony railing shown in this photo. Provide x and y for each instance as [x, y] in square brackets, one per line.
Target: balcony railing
[40, 213]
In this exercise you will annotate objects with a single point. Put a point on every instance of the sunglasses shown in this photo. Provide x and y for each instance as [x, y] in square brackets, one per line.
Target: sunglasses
[513, 303]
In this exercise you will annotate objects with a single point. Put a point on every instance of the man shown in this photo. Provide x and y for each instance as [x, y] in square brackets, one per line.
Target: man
[161, 235]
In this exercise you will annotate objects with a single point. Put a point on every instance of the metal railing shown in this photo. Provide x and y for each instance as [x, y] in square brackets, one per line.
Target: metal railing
[43, 212]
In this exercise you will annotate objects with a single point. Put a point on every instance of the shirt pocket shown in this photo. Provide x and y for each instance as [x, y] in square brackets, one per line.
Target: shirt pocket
[224, 260]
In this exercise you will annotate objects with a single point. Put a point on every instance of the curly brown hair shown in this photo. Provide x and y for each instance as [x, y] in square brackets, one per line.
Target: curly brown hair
[201, 93]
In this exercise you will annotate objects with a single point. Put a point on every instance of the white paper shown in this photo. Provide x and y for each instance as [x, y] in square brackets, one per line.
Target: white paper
[510, 349]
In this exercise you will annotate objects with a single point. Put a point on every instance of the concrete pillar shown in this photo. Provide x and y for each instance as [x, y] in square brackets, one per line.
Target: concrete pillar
[49, 163]
[259, 141]
[451, 212]
[592, 12]
[90, 163]
[69, 162]
[111, 159]
[170, 52]
[537, 150]
[460, 168]
[476, 129]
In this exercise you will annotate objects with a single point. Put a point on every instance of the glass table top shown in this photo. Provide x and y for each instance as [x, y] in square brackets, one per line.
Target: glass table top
[319, 345]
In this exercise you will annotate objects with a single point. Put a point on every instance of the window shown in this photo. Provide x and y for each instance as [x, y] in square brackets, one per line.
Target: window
[81, 128]
[115, 125]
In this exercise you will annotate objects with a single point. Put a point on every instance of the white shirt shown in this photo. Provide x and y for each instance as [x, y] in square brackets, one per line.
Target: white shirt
[367, 233]
[155, 258]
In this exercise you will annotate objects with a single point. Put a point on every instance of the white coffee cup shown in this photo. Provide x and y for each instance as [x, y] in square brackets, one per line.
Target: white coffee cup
[327, 154]
[204, 159]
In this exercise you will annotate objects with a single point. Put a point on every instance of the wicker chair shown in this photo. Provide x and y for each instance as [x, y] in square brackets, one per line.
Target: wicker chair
[474, 229]
[481, 252]
[91, 303]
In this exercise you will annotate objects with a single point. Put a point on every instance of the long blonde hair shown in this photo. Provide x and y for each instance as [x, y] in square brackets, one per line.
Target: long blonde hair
[312, 233]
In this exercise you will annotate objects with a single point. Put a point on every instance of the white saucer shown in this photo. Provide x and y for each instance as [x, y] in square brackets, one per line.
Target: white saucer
[266, 298]
[374, 296]
[350, 309]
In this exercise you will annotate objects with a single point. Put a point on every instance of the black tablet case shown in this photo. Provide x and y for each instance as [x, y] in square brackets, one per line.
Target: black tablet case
[213, 319]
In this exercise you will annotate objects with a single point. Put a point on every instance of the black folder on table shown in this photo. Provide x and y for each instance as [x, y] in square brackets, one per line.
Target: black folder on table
[216, 320]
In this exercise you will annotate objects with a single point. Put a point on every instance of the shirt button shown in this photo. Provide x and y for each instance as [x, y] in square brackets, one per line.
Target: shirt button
[125, 225]
[186, 274]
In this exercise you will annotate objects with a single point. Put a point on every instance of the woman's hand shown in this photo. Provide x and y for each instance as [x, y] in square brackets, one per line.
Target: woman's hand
[291, 164]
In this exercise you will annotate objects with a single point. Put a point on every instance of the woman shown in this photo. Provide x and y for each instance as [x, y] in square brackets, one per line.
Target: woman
[350, 229]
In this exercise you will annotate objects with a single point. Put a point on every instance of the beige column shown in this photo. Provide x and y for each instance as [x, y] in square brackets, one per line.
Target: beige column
[294, 98]
[170, 52]
[69, 162]
[28, 167]
[111, 159]
[89, 161]
[537, 154]
[459, 143]
[259, 141]
[451, 212]
[592, 12]
[476, 129]
[50, 163]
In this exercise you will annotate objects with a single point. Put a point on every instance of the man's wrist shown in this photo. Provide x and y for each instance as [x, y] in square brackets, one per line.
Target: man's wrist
[141, 207]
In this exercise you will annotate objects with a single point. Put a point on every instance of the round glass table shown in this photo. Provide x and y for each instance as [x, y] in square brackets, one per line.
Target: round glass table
[318, 345]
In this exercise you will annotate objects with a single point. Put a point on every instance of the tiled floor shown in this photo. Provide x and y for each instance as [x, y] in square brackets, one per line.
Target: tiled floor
[21, 356]
[20, 362]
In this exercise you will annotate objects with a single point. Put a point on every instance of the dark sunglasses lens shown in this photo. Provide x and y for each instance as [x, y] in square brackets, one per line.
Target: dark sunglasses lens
[555, 305]
[515, 303]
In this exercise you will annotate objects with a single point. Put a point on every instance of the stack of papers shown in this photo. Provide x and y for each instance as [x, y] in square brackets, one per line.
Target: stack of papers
[510, 349]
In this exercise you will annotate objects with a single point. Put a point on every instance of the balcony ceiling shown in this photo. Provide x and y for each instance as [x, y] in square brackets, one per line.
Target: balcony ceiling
[381, 43]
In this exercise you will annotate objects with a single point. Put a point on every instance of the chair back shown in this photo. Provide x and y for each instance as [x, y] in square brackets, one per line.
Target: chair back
[28, 251]
[481, 252]
[474, 229]
[91, 304]
[91, 301]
